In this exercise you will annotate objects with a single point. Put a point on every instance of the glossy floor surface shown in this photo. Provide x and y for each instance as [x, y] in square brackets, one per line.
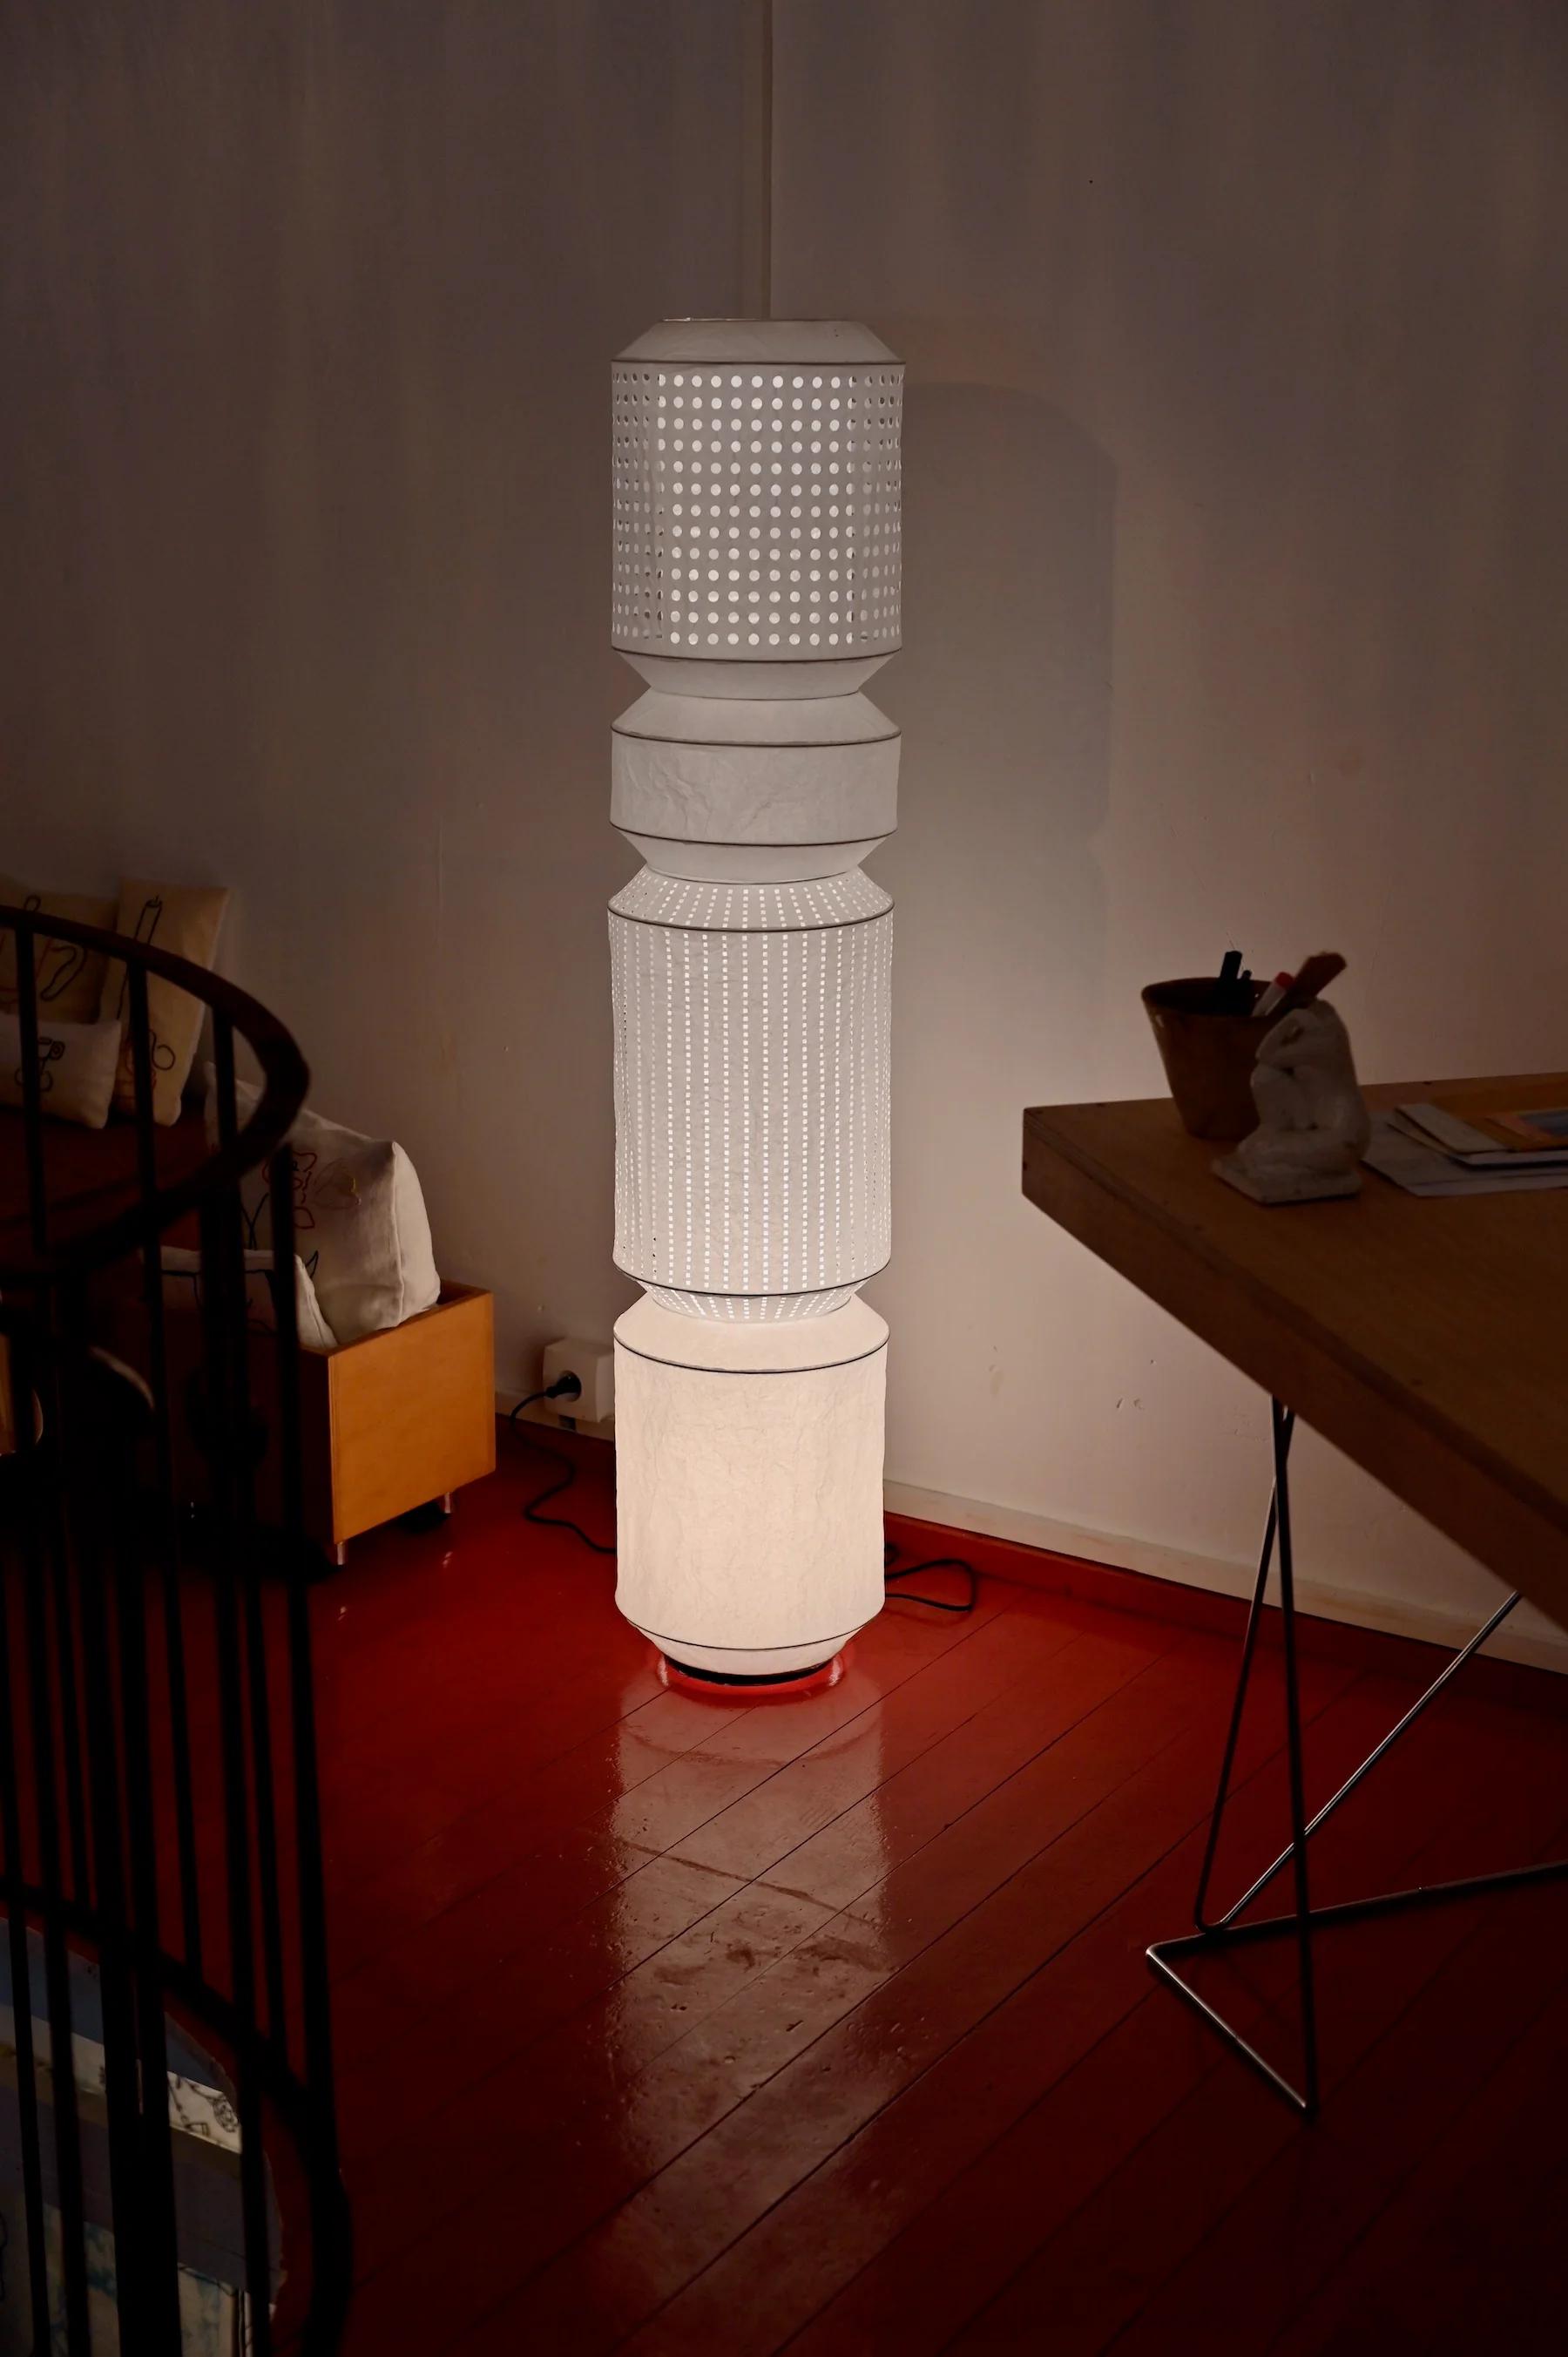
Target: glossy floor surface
[676, 2024]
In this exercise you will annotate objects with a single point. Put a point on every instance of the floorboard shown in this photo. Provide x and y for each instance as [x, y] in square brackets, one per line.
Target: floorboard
[668, 2022]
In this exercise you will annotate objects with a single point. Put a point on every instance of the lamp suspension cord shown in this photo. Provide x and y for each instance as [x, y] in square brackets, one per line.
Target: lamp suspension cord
[756, 159]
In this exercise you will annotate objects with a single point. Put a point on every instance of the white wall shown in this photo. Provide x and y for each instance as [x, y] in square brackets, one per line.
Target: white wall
[1237, 500]
[303, 565]
[1237, 497]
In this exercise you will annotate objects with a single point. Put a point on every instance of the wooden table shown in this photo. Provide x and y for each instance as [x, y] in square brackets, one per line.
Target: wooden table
[1424, 1336]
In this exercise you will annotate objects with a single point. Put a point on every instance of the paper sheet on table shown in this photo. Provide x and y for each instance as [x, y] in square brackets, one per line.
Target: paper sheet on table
[1423, 1171]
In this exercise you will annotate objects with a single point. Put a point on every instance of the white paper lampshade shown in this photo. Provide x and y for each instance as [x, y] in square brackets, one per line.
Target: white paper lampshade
[749, 1469]
[755, 588]
[756, 792]
[752, 1102]
[756, 504]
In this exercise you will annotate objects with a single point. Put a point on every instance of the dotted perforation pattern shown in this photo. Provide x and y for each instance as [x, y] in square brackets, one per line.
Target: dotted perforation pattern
[751, 1090]
[756, 511]
[819, 901]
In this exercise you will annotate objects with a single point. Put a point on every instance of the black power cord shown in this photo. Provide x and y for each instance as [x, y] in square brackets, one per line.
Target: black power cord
[564, 1388]
[568, 1387]
[890, 1554]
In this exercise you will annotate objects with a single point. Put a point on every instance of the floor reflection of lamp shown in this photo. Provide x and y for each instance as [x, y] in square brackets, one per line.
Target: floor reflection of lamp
[756, 583]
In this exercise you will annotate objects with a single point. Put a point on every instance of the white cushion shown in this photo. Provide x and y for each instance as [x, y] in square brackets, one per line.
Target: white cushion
[183, 918]
[70, 979]
[360, 1220]
[182, 1290]
[76, 1067]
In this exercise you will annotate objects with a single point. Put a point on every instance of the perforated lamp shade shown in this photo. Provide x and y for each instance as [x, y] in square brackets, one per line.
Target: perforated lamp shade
[756, 585]
[751, 1092]
[757, 506]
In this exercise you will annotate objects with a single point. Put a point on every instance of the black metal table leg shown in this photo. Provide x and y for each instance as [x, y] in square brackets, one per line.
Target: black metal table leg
[1226, 1930]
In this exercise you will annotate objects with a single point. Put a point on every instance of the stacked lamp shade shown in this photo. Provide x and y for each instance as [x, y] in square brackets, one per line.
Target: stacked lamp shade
[755, 591]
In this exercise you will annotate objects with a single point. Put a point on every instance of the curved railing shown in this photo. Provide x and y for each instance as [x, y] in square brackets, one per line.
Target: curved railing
[160, 1811]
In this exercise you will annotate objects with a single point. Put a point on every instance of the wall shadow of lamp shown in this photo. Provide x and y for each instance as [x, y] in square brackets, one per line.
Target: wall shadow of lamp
[1008, 715]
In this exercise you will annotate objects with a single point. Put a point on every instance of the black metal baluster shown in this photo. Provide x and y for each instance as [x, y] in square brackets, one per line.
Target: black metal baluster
[27, 2108]
[157, 2255]
[223, 1305]
[71, 1715]
[163, 1444]
[255, 1631]
[330, 2224]
[32, 1086]
[97, 1483]
[69, 2189]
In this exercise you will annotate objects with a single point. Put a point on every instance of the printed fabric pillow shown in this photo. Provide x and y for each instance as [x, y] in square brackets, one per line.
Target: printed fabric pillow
[360, 1220]
[77, 1063]
[69, 978]
[183, 918]
[182, 1290]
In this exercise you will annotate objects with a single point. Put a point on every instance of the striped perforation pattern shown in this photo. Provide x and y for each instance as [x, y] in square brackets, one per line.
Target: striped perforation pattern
[823, 901]
[751, 1080]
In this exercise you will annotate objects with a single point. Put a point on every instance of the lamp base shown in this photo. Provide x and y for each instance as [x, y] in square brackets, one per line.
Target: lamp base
[815, 1679]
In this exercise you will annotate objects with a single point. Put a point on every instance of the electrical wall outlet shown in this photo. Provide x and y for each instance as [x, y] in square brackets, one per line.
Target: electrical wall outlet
[593, 1364]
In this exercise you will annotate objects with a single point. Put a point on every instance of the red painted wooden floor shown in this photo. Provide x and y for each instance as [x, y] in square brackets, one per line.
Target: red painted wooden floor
[674, 2024]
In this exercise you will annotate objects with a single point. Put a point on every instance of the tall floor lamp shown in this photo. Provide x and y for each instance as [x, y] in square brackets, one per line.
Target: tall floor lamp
[756, 591]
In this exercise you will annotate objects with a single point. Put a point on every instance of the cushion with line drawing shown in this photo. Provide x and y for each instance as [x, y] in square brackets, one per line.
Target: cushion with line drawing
[359, 1220]
[77, 1062]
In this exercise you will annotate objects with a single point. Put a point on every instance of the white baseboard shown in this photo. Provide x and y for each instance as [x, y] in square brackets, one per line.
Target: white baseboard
[1398, 1616]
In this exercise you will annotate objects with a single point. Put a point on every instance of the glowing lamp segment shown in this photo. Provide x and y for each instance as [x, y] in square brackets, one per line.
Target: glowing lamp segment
[748, 1482]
